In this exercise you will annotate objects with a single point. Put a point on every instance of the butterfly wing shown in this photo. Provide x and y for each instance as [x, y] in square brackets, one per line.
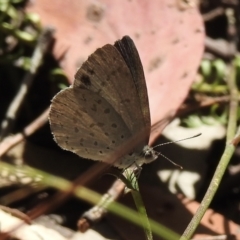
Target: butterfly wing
[114, 76]
[103, 109]
[78, 122]
[130, 54]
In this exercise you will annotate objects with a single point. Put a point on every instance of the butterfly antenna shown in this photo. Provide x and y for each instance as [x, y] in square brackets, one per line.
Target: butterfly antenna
[177, 141]
[175, 164]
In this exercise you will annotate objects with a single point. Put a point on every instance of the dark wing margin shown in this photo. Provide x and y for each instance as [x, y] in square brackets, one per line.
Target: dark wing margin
[129, 52]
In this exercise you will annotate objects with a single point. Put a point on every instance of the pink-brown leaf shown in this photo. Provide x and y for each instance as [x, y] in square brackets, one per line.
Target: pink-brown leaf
[169, 38]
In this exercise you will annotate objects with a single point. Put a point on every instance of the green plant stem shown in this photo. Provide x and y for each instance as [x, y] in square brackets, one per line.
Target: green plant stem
[139, 203]
[90, 197]
[228, 152]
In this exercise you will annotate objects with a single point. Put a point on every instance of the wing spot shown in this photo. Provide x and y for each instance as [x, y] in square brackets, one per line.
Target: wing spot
[94, 108]
[114, 125]
[98, 101]
[107, 110]
[84, 98]
[113, 73]
[76, 130]
[91, 71]
[81, 142]
[100, 124]
[85, 80]
[92, 134]
[95, 143]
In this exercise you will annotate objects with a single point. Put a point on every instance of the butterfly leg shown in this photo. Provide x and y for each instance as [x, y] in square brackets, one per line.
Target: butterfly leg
[135, 168]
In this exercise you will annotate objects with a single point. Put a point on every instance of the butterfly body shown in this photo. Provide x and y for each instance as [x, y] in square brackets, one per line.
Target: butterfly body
[106, 108]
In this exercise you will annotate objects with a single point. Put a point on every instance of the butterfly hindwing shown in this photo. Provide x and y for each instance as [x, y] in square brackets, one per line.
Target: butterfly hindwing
[84, 129]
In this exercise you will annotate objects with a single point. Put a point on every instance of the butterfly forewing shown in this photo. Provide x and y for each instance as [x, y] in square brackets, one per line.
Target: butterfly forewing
[130, 55]
[106, 73]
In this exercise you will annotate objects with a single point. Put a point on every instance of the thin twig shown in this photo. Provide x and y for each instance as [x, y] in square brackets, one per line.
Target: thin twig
[14, 108]
[228, 152]
[17, 213]
[96, 213]
[11, 141]
[218, 47]
[205, 102]
[213, 14]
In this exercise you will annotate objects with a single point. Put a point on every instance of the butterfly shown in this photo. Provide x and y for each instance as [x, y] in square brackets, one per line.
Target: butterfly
[105, 108]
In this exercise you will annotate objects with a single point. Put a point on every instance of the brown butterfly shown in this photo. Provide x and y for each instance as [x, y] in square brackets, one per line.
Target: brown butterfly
[106, 106]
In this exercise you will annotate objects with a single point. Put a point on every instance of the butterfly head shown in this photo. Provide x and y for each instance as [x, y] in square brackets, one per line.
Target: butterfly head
[149, 154]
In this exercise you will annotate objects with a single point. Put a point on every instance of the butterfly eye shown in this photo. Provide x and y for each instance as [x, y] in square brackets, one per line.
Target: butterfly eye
[149, 154]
